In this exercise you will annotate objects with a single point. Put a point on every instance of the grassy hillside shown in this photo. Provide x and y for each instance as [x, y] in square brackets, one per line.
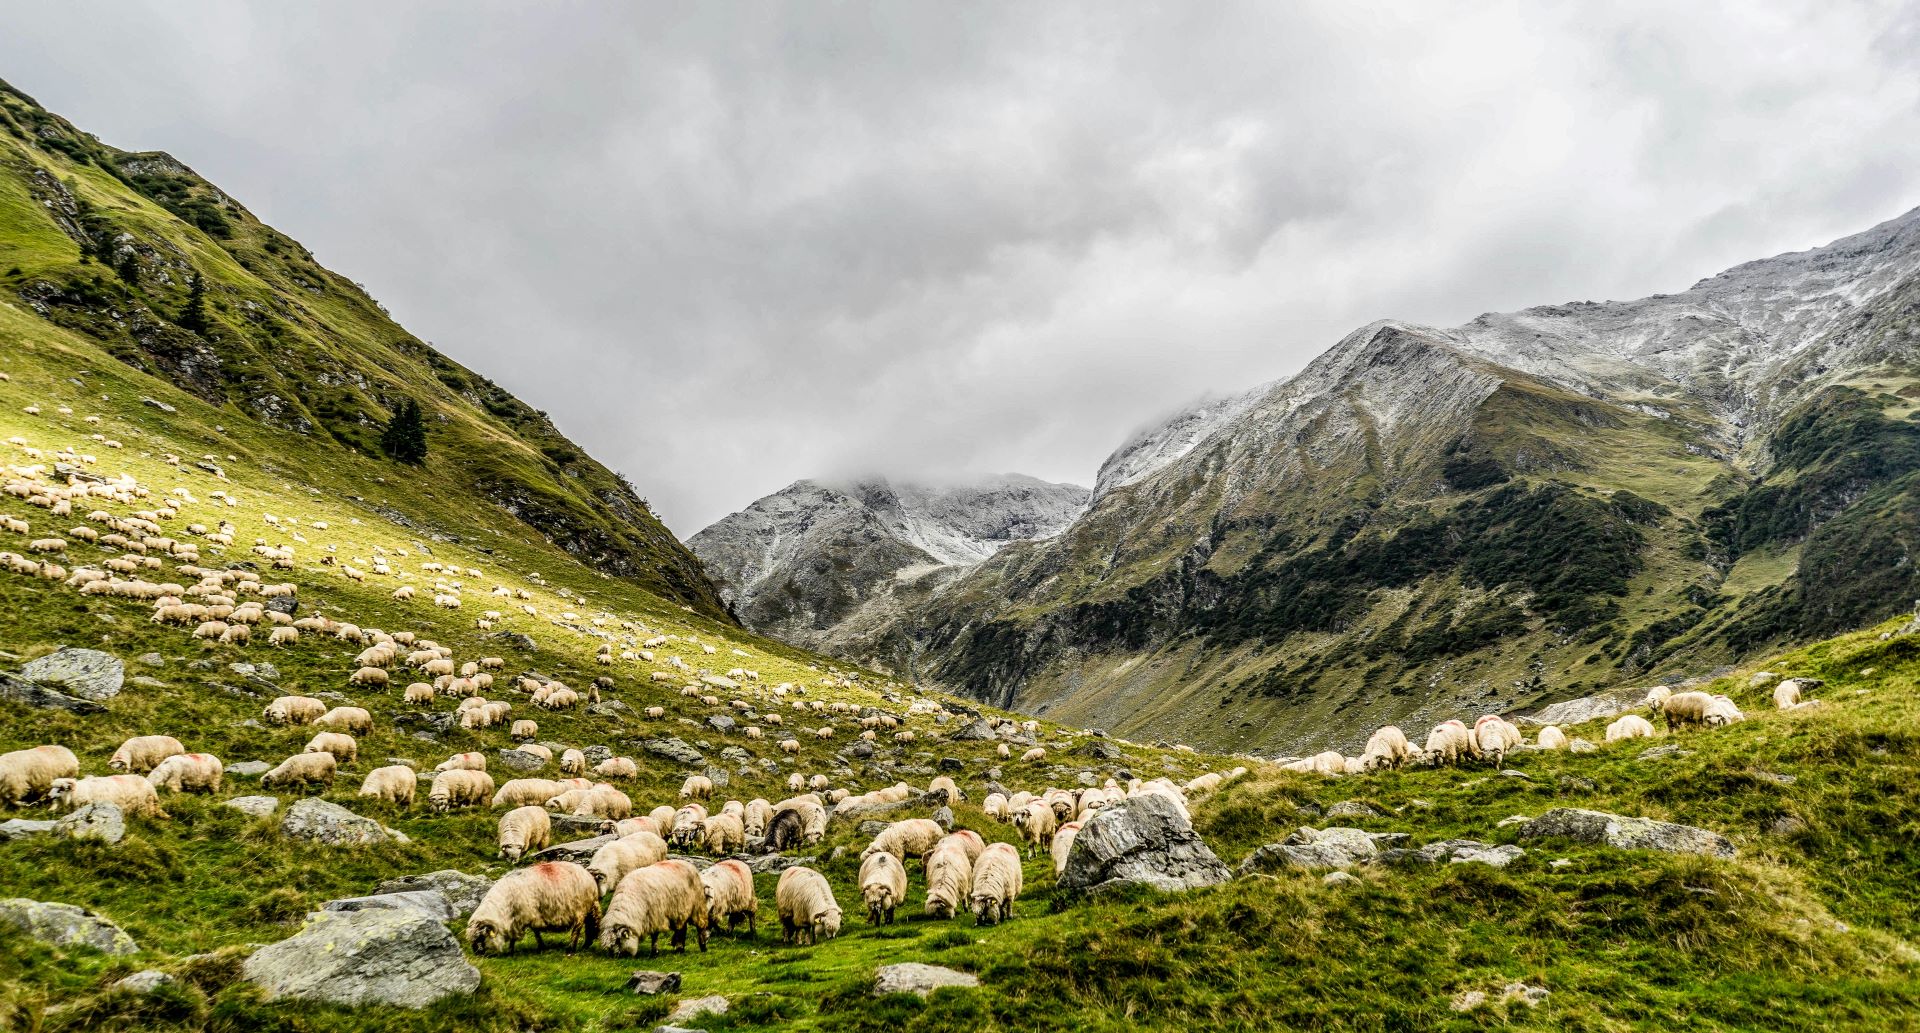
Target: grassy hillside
[108, 245]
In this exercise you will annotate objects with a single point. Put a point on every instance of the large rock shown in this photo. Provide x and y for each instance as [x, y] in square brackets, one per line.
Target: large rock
[520, 760]
[1625, 833]
[319, 821]
[461, 890]
[673, 748]
[431, 903]
[256, 806]
[102, 821]
[720, 723]
[1586, 708]
[399, 957]
[249, 768]
[1143, 841]
[693, 1007]
[21, 828]
[579, 851]
[1099, 749]
[86, 673]
[579, 825]
[16, 689]
[976, 730]
[65, 925]
[914, 978]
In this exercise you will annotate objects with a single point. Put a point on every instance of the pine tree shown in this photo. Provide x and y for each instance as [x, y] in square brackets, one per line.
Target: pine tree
[194, 316]
[405, 438]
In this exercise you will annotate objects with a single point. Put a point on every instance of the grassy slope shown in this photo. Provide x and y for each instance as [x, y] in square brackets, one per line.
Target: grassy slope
[104, 242]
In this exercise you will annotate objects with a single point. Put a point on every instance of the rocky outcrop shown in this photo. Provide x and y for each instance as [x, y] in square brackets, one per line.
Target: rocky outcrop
[1142, 841]
[401, 957]
[461, 890]
[65, 925]
[86, 673]
[102, 822]
[321, 821]
[1598, 828]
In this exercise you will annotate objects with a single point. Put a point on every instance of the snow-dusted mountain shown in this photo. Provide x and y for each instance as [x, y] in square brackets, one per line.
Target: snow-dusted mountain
[798, 562]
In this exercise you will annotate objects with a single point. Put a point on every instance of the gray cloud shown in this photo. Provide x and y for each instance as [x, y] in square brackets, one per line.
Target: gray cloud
[732, 245]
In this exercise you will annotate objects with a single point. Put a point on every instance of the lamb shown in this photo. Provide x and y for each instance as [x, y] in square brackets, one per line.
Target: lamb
[1493, 737]
[293, 710]
[463, 762]
[520, 792]
[1632, 726]
[525, 830]
[730, 896]
[394, 783]
[883, 885]
[547, 897]
[665, 897]
[341, 745]
[725, 834]
[188, 772]
[914, 837]
[1037, 823]
[302, 769]
[1449, 742]
[630, 852]
[696, 787]
[143, 753]
[1387, 748]
[131, 793]
[27, 775]
[806, 906]
[618, 767]
[997, 879]
[1063, 845]
[460, 788]
[1551, 738]
[949, 879]
[346, 719]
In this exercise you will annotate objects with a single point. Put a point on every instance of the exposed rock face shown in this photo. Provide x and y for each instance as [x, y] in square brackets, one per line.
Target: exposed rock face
[399, 957]
[1142, 841]
[323, 822]
[915, 978]
[65, 925]
[86, 673]
[1626, 833]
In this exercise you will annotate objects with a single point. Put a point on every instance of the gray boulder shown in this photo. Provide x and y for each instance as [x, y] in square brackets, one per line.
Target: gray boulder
[1142, 841]
[694, 1007]
[65, 925]
[257, 806]
[976, 730]
[320, 821]
[596, 754]
[1352, 809]
[1584, 709]
[102, 821]
[461, 890]
[399, 957]
[915, 978]
[1625, 833]
[650, 983]
[143, 982]
[31, 693]
[673, 748]
[21, 828]
[580, 825]
[249, 768]
[579, 851]
[520, 760]
[87, 673]
[720, 723]
[432, 903]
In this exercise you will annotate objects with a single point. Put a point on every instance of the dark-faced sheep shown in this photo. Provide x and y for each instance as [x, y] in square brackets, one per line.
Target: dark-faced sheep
[554, 896]
[665, 897]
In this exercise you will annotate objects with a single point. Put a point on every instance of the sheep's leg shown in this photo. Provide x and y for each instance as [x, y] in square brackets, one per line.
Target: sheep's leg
[539, 943]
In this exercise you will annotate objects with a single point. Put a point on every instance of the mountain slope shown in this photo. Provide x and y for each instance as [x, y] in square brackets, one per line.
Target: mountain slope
[819, 564]
[107, 244]
[1529, 506]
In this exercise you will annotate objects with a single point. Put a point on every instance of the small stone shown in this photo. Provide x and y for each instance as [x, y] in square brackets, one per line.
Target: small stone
[1581, 746]
[1339, 879]
[321, 821]
[21, 828]
[651, 983]
[459, 889]
[1517, 819]
[249, 768]
[915, 978]
[943, 817]
[1521, 993]
[1664, 751]
[1515, 773]
[1498, 857]
[1775, 778]
[1352, 809]
[1469, 1000]
[1560, 862]
[151, 660]
[144, 982]
[694, 1007]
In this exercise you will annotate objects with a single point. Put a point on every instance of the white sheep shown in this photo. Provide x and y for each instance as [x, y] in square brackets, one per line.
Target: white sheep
[133, 794]
[355, 720]
[520, 792]
[997, 879]
[573, 762]
[463, 762]
[1632, 726]
[460, 788]
[730, 895]
[143, 753]
[524, 830]
[1494, 737]
[620, 767]
[1037, 823]
[665, 897]
[343, 746]
[913, 837]
[696, 787]
[1551, 738]
[188, 772]
[394, 783]
[27, 775]
[1449, 742]
[293, 710]
[553, 896]
[635, 850]
[949, 878]
[806, 906]
[524, 730]
[1386, 748]
[1035, 754]
[1063, 845]
[302, 769]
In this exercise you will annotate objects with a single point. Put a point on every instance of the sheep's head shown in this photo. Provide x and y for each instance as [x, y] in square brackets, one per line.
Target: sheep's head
[512, 851]
[119, 761]
[1022, 818]
[827, 925]
[620, 940]
[61, 789]
[1062, 809]
[986, 910]
[486, 937]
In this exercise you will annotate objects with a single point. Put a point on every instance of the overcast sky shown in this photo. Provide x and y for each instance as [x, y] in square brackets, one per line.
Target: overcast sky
[729, 246]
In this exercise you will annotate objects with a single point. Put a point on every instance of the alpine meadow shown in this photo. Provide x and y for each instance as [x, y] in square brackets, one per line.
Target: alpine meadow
[1558, 670]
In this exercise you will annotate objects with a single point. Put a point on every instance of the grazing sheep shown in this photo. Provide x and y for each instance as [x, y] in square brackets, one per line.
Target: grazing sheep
[293, 710]
[1723, 712]
[1063, 845]
[1035, 754]
[603, 801]
[1387, 748]
[1686, 710]
[688, 822]
[1656, 696]
[343, 746]
[790, 746]
[355, 720]
[949, 879]
[730, 895]
[376, 676]
[883, 885]
[1551, 738]
[419, 694]
[548, 897]
[756, 816]
[1037, 823]
[635, 850]
[725, 834]
[27, 775]
[1206, 783]
[1493, 737]
[1632, 726]
[995, 806]
[644, 823]
[460, 788]
[1786, 695]
[573, 762]
[302, 769]
[617, 767]
[283, 636]
[1449, 742]
[236, 634]
[524, 830]
[696, 787]
[665, 897]
[997, 879]
[943, 783]
[394, 783]
[914, 837]
[143, 753]
[785, 831]
[188, 772]
[524, 730]
[806, 906]
[521, 792]
[463, 762]
[131, 793]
